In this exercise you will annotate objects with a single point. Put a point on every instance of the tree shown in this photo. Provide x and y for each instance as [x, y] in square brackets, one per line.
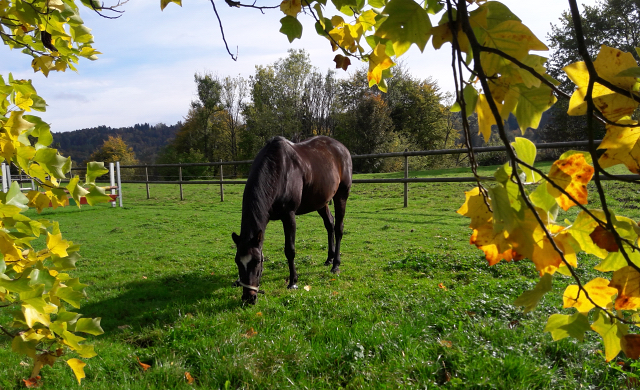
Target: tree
[34, 284]
[115, 149]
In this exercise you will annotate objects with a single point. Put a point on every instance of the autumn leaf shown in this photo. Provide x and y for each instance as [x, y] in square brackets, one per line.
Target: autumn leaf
[476, 208]
[604, 239]
[622, 146]
[341, 61]
[189, 378]
[486, 119]
[609, 63]
[612, 332]
[77, 366]
[583, 227]
[378, 61]
[571, 174]
[144, 366]
[408, 23]
[598, 290]
[307, 288]
[631, 346]
[249, 333]
[627, 281]
[291, 7]
[32, 383]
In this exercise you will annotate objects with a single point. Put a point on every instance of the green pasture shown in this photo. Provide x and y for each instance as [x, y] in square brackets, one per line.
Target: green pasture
[415, 305]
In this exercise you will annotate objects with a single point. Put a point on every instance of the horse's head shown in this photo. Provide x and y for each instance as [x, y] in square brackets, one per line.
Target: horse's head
[249, 260]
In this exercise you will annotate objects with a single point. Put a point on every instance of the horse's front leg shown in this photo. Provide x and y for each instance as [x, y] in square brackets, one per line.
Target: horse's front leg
[289, 225]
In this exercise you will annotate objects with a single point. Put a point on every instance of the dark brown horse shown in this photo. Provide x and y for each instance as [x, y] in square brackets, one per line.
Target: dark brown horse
[286, 180]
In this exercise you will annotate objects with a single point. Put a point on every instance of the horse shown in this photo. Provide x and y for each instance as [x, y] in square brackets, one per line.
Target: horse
[288, 179]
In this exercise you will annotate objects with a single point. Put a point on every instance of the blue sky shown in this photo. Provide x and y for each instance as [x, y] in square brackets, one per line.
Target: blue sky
[145, 74]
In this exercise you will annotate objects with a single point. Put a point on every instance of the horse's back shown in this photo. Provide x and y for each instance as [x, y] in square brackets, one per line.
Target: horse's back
[326, 155]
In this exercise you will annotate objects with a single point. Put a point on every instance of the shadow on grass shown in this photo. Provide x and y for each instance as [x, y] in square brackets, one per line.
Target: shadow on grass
[163, 301]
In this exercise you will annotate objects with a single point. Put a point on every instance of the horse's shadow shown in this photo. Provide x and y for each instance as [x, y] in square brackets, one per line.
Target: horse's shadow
[145, 303]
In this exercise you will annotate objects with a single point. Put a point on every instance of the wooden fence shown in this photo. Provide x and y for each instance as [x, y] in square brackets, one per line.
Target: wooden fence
[406, 180]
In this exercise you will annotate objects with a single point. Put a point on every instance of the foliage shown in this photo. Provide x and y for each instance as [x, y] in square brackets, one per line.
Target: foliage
[145, 139]
[115, 149]
[34, 283]
[493, 50]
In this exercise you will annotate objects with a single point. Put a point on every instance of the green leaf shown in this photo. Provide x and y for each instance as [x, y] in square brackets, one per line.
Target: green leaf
[90, 326]
[562, 325]
[20, 285]
[407, 23]
[503, 215]
[97, 195]
[530, 299]
[16, 198]
[291, 27]
[70, 296]
[94, 170]
[53, 163]
[526, 152]
[611, 331]
[630, 72]
[532, 102]
[377, 3]
[615, 260]
[542, 198]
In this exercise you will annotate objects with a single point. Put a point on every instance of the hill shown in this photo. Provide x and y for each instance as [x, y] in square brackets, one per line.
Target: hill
[146, 140]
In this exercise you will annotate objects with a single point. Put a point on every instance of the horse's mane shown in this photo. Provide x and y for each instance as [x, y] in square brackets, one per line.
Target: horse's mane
[265, 176]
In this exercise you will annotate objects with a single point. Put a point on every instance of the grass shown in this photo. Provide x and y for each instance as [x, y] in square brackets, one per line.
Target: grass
[415, 305]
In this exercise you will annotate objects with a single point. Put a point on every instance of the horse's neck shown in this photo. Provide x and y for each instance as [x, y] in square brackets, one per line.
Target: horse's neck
[256, 205]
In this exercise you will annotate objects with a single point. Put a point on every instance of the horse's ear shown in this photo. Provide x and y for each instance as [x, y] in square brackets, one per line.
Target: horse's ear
[235, 238]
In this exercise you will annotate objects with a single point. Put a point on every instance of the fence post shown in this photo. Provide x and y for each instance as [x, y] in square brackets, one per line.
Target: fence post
[112, 182]
[146, 175]
[5, 185]
[406, 176]
[221, 185]
[180, 179]
[119, 183]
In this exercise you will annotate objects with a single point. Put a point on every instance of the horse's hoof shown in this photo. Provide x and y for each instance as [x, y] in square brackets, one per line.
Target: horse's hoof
[292, 287]
[335, 270]
[328, 262]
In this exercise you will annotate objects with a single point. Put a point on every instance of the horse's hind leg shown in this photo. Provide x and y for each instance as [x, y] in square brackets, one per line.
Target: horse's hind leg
[340, 206]
[325, 213]
[289, 225]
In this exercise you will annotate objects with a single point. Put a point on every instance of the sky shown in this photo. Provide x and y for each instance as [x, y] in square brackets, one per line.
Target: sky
[146, 71]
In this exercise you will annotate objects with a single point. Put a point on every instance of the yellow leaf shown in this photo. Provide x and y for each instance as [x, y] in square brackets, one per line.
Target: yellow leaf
[572, 174]
[627, 281]
[57, 245]
[609, 63]
[475, 207]
[495, 245]
[77, 366]
[291, 7]
[598, 290]
[23, 102]
[544, 255]
[622, 146]
[16, 125]
[32, 316]
[486, 119]
[378, 61]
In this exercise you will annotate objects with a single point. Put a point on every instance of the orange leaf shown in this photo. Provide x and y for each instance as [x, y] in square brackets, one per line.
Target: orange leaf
[627, 281]
[442, 286]
[446, 343]
[144, 366]
[572, 174]
[249, 333]
[189, 378]
[32, 383]
[604, 239]
[495, 246]
[308, 288]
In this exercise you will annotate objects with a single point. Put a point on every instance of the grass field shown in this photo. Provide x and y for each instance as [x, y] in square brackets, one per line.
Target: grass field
[415, 305]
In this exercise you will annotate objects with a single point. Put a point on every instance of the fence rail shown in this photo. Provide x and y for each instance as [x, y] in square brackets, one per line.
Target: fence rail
[406, 180]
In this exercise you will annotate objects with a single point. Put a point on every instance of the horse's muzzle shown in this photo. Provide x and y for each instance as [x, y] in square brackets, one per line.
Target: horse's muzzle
[249, 296]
